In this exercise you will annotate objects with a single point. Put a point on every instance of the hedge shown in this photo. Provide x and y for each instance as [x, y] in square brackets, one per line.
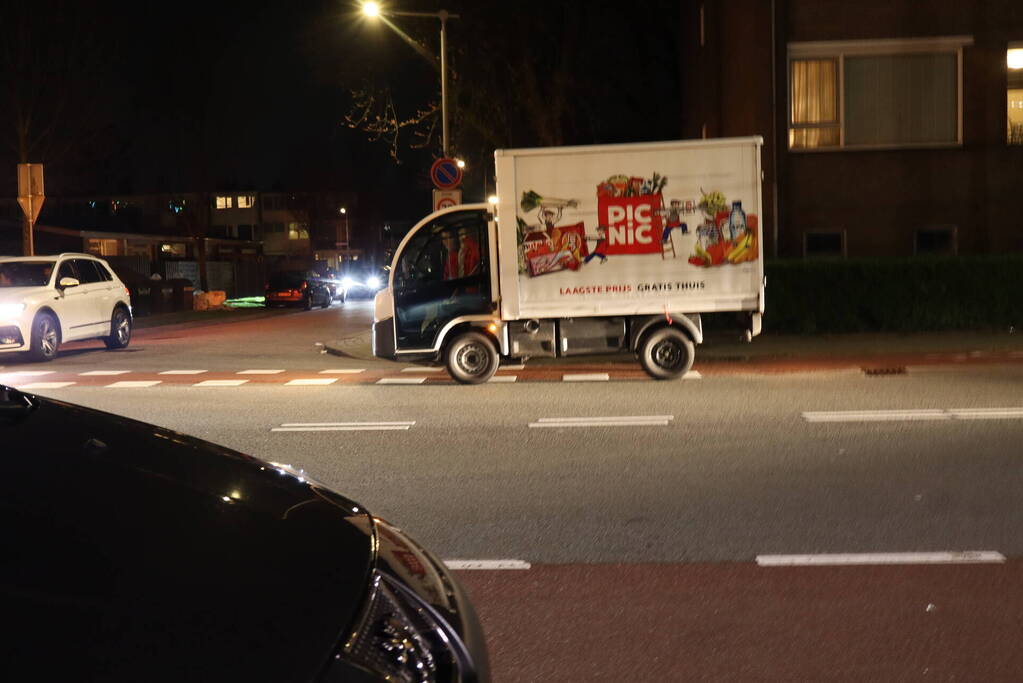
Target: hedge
[896, 295]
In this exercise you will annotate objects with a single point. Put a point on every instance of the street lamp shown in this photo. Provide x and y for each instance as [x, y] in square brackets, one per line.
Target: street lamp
[344, 212]
[372, 9]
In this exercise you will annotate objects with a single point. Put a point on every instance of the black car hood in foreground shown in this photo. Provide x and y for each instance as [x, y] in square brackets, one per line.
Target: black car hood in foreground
[132, 552]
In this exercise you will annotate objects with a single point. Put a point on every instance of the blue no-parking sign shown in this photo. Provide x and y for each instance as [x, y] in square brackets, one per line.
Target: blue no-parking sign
[445, 174]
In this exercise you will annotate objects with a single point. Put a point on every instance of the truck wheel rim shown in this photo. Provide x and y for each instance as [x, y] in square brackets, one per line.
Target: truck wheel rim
[472, 359]
[47, 337]
[668, 355]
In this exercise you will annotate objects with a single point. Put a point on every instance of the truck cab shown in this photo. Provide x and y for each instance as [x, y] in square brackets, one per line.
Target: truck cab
[441, 281]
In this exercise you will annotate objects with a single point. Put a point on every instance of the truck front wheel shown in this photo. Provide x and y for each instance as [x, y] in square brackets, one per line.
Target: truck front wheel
[666, 353]
[471, 358]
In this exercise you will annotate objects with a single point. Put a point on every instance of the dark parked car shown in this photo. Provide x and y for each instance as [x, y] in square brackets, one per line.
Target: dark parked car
[134, 553]
[297, 288]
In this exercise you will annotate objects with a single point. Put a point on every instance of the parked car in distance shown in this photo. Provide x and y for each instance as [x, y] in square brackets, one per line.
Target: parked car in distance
[297, 288]
[337, 292]
[132, 552]
[48, 300]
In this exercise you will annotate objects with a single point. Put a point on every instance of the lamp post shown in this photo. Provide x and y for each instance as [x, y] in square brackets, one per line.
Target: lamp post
[372, 9]
[344, 212]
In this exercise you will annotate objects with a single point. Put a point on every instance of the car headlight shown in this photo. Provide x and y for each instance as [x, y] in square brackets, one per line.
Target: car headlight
[11, 310]
[347, 282]
[373, 282]
[400, 638]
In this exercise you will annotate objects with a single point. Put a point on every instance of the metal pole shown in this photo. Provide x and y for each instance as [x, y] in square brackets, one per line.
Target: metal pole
[27, 238]
[443, 15]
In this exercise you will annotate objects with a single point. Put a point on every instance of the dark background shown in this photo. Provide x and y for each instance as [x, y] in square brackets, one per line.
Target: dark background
[176, 97]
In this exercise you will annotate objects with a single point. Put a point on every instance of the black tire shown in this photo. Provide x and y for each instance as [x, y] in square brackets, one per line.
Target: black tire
[307, 303]
[471, 358]
[45, 340]
[120, 330]
[327, 299]
[666, 353]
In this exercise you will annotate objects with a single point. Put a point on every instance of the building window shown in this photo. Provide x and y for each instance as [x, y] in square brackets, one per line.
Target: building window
[298, 231]
[246, 201]
[273, 228]
[245, 232]
[876, 94]
[936, 240]
[173, 250]
[224, 202]
[824, 243]
[1014, 94]
[101, 247]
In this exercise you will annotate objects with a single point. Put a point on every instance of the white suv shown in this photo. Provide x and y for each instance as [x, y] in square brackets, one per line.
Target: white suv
[47, 300]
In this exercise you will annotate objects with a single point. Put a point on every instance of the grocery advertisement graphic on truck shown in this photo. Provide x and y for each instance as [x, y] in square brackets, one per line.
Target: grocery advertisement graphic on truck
[630, 234]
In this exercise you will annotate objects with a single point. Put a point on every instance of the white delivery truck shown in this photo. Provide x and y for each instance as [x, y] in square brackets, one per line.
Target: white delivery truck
[593, 249]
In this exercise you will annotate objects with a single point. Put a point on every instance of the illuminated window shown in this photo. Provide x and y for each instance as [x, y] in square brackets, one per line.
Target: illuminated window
[298, 231]
[173, 249]
[224, 202]
[870, 94]
[103, 247]
[246, 201]
[1014, 94]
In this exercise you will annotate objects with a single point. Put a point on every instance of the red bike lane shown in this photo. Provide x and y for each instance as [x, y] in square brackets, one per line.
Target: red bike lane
[742, 622]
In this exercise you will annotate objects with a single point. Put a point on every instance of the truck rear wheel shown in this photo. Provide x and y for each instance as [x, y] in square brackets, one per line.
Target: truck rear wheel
[471, 358]
[666, 353]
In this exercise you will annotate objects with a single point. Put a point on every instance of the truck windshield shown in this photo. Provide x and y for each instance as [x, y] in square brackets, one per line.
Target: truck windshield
[25, 273]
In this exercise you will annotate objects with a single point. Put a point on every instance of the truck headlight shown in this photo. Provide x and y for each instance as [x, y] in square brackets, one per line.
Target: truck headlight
[11, 310]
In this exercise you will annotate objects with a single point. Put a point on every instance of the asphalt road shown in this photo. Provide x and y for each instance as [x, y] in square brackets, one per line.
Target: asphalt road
[681, 485]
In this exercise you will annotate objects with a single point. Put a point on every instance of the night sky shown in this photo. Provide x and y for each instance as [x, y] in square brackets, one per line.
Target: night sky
[175, 97]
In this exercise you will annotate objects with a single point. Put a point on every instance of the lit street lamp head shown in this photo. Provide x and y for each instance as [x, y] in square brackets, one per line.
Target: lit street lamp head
[371, 9]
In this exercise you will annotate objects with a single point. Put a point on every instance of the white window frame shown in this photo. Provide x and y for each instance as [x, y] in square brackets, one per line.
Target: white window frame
[246, 201]
[223, 202]
[840, 49]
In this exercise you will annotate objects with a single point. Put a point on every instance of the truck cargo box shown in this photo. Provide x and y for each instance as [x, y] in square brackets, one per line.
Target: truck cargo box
[647, 228]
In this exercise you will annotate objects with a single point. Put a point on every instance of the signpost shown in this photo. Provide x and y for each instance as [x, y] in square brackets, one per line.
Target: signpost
[30, 196]
[443, 199]
[445, 174]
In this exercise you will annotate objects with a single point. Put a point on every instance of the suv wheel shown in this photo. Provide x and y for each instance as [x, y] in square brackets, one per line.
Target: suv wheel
[120, 330]
[45, 338]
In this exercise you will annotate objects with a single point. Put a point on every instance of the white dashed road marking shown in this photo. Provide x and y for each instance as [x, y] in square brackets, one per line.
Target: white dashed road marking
[498, 379]
[182, 372]
[46, 385]
[936, 414]
[402, 380]
[136, 384]
[829, 560]
[30, 373]
[342, 371]
[259, 372]
[589, 377]
[487, 564]
[221, 383]
[313, 382]
[625, 421]
[692, 374]
[99, 373]
[422, 369]
[344, 426]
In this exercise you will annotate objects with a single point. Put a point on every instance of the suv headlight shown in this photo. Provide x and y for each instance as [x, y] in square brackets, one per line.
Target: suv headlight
[400, 638]
[11, 310]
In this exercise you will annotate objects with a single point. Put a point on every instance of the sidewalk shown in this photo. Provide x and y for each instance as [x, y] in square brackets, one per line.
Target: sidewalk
[719, 347]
